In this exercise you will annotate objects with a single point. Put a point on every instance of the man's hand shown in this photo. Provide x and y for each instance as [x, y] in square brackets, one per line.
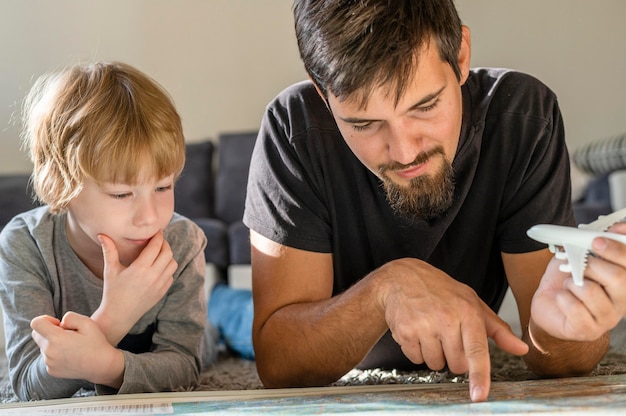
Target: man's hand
[129, 292]
[437, 320]
[75, 348]
[584, 313]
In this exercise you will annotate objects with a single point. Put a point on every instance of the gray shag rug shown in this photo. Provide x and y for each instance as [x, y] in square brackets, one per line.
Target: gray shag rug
[233, 373]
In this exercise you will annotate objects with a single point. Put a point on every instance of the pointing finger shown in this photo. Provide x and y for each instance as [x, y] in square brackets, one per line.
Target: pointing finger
[478, 360]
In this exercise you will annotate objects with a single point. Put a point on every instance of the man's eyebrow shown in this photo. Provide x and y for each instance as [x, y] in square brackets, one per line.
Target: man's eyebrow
[427, 98]
[424, 100]
[355, 120]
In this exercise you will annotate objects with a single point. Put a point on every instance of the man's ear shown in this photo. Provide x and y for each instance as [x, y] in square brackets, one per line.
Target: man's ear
[465, 53]
[321, 94]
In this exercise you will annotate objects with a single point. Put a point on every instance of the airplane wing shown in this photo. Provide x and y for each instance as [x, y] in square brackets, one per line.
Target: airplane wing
[604, 222]
[576, 262]
[574, 244]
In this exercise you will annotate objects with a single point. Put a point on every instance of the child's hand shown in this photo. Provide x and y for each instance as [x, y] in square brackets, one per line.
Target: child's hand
[129, 292]
[75, 348]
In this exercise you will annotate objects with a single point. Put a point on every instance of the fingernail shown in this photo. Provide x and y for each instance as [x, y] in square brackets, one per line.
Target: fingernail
[476, 394]
[100, 239]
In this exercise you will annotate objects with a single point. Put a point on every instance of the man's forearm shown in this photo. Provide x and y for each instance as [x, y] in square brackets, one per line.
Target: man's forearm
[552, 357]
[315, 343]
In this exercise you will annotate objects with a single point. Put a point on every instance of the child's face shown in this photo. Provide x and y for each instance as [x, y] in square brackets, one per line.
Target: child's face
[129, 214]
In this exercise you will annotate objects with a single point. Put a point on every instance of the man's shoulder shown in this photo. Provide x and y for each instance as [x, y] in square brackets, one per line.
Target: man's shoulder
[304, 88]
[502, 90]
[300, 95]
[492, 76]
[299, 108]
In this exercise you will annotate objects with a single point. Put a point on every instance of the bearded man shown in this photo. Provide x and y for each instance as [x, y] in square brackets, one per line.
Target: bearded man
[389, 198]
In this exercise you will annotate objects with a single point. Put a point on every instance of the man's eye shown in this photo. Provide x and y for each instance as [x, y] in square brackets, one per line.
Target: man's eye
[361, 127]
[429, 107]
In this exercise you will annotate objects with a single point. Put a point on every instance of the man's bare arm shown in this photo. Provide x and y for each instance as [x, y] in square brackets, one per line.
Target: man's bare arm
[303, 336]
[548, 355]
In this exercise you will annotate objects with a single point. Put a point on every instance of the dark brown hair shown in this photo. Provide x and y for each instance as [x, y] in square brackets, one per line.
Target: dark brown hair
[351, 46]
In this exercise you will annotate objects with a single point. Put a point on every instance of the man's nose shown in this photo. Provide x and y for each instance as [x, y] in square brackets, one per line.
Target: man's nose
[404, 142]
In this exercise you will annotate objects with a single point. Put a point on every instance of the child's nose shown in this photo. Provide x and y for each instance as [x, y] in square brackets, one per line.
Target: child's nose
[145, 212]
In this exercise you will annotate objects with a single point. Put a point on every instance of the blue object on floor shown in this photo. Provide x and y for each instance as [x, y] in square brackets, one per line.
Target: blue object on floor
[231, 312]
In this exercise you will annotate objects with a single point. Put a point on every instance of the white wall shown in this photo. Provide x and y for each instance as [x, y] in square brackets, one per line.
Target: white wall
[223, 60]
[577, 47]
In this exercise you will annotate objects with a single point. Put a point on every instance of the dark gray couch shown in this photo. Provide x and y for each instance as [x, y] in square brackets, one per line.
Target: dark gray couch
[210, 191]
[15, 196]
[595, 201]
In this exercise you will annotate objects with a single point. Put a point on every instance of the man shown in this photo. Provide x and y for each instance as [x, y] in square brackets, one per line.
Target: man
[389, 200]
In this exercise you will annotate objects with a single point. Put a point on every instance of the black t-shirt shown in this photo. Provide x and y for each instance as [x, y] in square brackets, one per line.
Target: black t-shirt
[307, 190]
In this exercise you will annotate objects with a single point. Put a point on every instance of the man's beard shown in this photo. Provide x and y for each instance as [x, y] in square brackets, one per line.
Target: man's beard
[426, 197]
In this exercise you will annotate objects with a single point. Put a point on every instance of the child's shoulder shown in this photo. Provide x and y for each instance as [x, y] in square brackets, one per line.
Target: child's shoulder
[181, 231]
[181, 223]
[31, 222]
[25, 233]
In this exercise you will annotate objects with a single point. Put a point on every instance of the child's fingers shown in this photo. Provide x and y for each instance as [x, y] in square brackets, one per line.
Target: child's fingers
[152, 251]
[43, 319]
[43, 327]
[109, 253]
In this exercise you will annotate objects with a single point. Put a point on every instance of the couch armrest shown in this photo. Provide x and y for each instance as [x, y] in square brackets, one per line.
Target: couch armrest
[239, 241]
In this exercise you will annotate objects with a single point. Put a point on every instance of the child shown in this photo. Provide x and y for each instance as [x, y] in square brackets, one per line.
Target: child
[102, 287]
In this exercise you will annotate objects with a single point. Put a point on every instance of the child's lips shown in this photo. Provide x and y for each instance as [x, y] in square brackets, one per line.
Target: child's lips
[139, 242]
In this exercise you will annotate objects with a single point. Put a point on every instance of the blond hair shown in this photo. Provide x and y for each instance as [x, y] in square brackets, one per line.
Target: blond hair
[105, 121]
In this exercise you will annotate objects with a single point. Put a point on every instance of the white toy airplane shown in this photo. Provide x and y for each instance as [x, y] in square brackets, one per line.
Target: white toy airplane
[576, 242]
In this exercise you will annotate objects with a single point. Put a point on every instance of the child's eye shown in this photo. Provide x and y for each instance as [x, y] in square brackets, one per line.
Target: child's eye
[164, 188]
[120, 196]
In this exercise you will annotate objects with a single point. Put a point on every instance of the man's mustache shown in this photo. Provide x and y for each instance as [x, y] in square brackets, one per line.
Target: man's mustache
[419, 159]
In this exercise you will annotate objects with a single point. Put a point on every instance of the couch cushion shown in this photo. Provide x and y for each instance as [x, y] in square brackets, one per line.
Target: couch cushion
[194, 189]
[233, 163]
[16, 197]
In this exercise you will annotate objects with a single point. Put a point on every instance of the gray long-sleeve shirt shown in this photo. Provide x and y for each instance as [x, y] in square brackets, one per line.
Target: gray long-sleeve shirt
[40, 274]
